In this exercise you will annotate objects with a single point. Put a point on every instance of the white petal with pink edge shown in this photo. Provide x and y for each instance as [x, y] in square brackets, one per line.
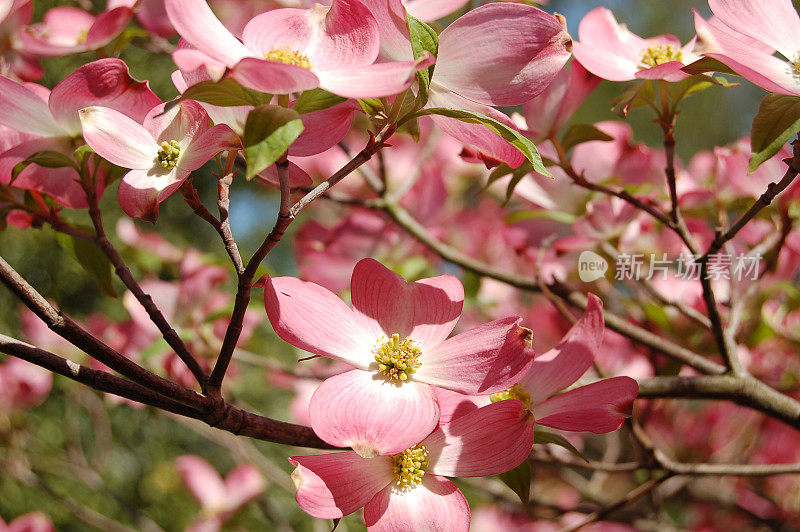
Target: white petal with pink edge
[118, 139]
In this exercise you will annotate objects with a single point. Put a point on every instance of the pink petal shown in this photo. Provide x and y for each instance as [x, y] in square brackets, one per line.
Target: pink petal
[502, 54]
[59, 32]
[435, 505]
[118, 139]
[202, 480]
[426, 310]
[489, 441]
[606, 48]
[31, 522]
[483, 360]
[297, 176]
[371, 81]
[323, 129]
[105, 83]
[108, 25]
[745, 56]
[670, 71]
[774, 22]
[395, 40]
[429, 11]
[23, 110]
[566, 362]
[314, 319]
[454, 404]
[204, 147]
[196, 23]
[475, 135]
[272, 77]
[599, 407]
[362, 410]
[176, 121]
[141, 191]
[330, 486]
[604, 64]
[243, 484]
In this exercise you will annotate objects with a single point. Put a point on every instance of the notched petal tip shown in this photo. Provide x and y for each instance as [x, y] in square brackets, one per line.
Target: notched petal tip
[525, 335]
[365, 450]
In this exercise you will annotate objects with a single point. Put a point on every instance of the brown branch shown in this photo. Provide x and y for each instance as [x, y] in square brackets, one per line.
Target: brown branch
[80, 338]
[122, 271]
[223, 205]
[225, 417]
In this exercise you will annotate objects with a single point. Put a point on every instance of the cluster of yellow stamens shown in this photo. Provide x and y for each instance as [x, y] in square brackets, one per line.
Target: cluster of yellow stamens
[398, 359]
[796, 63]
[661, 53]
[168, 154]
[290, 57]
[515, 392]
[409, 466]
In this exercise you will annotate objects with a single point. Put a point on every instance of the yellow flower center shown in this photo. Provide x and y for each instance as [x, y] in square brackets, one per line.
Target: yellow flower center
[290, 57]
[515, 392]
[409, 466]
[659, 54]
[796, 63]
[397, 360]
[168, 154]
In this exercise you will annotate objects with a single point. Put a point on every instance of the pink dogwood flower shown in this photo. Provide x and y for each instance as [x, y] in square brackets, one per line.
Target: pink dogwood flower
[291, 50]
[407, 490]
[497, 54]
[172, 142]
[745, 35]
[610, 50]
[69, 30]
[49, 120]
[31, 522]
[15, 61]
[219, 499]
[396, 336]
[23, 385]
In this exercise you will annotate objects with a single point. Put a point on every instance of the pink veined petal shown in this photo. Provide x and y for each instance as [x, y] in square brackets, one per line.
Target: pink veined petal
[314, 319]
[108, 25]
[604, 64]
[140, 191]
[333, 485]
[502, 54]
[118, 139]
[426, 310]
[202, 480]
[272, 77]
[180, 121]
[598, 407]
[670, 71]
[323, 129]
[280, 28]
[429, 11]
[489, 441]
[196, 66]
[395, 39]
[196, 23]
[207, 145]
[372, 81]
[454, 404]
[745, 57]
[31, 522]
[105, 83]
[364, 411]
[774, 22]
[435, 505]
[566, 362]
[599, 30]
[486, 359]
[243, 484]
[297, 176]
[475, 135]
[23, 110]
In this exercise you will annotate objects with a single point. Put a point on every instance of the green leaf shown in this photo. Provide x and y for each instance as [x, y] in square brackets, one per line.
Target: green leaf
[519, 480]
[371, 106]
[423, 39]
[82, 153]
[687, 87]
[316, 100]
[225, 93]
[633, 97]
[91, 259]
[708, 64]
[543, 436]
[520, 141]
[580, 133]
[268, 133]
[47, 159]
[777, 121]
